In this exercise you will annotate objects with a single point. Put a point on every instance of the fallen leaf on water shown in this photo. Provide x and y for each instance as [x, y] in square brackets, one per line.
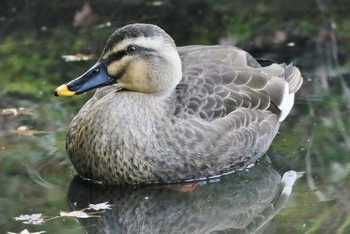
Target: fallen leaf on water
[25, 231]
[35, 219]
[100, 206]
[25, 131]
[78, 214]
[77, 57]
[16, 111]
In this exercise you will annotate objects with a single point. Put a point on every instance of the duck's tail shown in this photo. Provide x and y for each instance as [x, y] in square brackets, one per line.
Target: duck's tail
[285, 82]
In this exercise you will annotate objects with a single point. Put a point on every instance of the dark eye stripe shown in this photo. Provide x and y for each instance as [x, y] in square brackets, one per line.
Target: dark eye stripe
[115, 56]
[120, 54]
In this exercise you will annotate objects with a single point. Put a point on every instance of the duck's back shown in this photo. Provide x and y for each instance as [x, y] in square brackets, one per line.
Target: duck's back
[220, 79]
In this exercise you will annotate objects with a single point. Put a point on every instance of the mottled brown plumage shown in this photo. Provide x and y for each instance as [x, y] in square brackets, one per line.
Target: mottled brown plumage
[163, 122]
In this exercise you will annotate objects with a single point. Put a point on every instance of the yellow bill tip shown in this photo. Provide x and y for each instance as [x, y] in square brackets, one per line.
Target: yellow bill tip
[63, 91]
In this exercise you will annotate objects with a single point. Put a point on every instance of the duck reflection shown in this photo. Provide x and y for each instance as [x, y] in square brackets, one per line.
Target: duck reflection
[243, 202]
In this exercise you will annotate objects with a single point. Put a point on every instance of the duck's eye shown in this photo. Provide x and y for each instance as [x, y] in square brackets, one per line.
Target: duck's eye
[131, 49]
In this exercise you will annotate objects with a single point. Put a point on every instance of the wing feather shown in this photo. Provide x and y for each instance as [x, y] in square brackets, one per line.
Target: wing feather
[228, 78]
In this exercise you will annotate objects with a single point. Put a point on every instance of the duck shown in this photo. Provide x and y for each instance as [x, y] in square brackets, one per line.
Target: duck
[168, 114]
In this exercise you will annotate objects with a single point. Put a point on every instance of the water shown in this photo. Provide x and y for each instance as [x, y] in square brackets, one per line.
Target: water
[37, 178]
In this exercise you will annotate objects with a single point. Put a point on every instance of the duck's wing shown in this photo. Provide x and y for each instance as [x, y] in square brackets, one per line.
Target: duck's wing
[218, 80]
[223, 145]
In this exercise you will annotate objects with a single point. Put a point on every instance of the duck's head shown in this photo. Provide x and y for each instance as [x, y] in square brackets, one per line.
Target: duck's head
[137, 57]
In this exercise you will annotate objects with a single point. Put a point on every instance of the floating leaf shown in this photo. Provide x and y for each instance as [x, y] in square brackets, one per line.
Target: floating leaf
[16, 111]
[78, 214]
[35, 219]
[25, 131]
[77, 57]
[83, 214]
[100, 206]
[25, 231]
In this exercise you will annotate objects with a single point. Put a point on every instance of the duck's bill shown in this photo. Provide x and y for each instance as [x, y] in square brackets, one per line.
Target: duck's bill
[97, 76]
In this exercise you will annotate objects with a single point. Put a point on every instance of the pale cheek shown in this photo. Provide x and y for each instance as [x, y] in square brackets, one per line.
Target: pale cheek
[138, 70]
[138, 76]
[113, 69]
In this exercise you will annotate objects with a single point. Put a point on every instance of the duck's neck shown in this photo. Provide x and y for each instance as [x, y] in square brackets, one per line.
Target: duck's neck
[169, 74]
[138, 110]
